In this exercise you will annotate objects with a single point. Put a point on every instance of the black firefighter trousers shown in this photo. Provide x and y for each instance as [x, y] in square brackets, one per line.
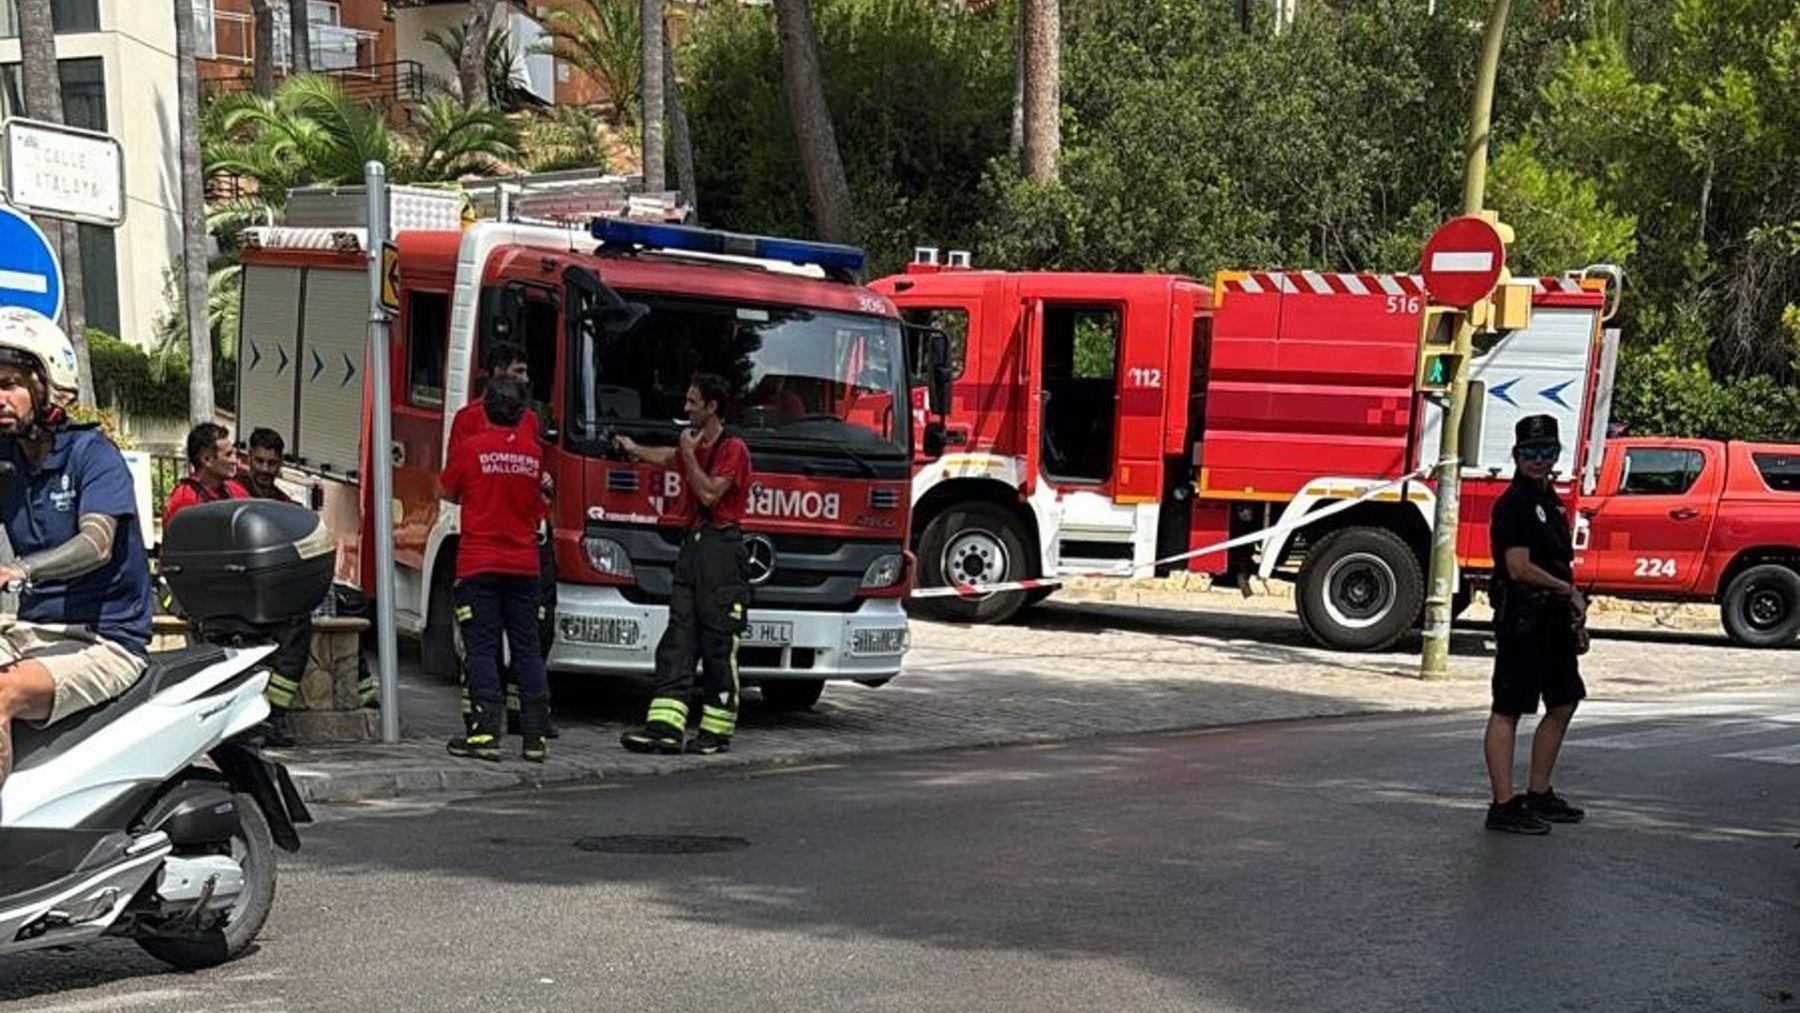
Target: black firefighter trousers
[707, 611]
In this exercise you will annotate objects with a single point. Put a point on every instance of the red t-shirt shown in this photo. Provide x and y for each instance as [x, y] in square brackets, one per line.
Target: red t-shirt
[472, 418]
[726, 457]
[190, 491]
[493, 472]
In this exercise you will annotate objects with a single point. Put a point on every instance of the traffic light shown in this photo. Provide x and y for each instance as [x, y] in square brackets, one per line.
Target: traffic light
[1438, 357]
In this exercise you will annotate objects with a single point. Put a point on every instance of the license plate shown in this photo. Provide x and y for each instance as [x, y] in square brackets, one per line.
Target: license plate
[602, 631]
[769, 634]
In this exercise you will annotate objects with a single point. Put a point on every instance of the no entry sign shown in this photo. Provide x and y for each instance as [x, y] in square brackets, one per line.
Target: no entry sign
[1463, 261]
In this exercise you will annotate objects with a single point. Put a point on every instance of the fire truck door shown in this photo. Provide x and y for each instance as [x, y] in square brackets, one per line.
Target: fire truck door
[1031, 343]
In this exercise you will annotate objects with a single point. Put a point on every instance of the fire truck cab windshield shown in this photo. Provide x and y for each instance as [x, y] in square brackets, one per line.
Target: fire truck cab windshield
[802, 380]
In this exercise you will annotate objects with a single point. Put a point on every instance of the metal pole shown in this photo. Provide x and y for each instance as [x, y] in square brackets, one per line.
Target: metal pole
[381, 460]
[1434, 660]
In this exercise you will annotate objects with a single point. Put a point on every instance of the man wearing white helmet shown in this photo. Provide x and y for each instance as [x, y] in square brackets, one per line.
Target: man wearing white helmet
[67, 502]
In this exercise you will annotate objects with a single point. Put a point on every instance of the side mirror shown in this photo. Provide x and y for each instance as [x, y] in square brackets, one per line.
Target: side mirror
[940, 375]
[620, 319]
[934, 439]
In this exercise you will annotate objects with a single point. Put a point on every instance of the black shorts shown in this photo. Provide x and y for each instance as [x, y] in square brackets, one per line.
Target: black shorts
[1540, 667]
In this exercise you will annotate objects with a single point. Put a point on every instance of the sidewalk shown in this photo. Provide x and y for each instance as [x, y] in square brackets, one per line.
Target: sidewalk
[1072, 670]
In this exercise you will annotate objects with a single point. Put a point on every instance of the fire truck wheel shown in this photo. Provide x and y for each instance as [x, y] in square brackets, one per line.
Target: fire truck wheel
[792, 694]
[1361, 588]
[1762, 606]
[437, 644]
[972, 544]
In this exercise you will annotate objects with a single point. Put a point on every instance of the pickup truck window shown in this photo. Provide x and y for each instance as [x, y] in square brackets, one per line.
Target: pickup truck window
[1659, 472]
[1781, 471]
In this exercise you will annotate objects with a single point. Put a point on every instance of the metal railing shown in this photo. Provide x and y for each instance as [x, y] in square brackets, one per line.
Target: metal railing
[394, 84]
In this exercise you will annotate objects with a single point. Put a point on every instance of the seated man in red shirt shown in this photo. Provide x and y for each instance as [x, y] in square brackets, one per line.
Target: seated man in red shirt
[215, 463]
[711, 595]
[215, 474]
[494, 473]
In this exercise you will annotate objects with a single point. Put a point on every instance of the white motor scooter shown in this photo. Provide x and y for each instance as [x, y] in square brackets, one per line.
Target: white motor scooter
[151, 816]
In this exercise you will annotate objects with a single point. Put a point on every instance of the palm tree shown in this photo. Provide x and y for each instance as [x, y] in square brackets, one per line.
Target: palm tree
[471, 62]
[679, 133]
[827, 188]
[193, 215]
[652, 91]
[503, 78]
[453, 142]
[262, 49]
[603, 40]
[309, 132]
[1042, 134]
[43, 101]
[299, 38]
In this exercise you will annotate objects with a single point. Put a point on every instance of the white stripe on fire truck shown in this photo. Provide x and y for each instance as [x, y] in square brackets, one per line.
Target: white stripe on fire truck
[1316, 283]
[1248, 284]
[1389, 285]
[1354, 284]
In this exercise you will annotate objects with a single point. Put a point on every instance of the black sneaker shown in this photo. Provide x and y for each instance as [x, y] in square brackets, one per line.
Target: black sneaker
[478, 746]
[535, 749]
[707, 744]
[657, 738]
[1515, 817]
[1550, 806]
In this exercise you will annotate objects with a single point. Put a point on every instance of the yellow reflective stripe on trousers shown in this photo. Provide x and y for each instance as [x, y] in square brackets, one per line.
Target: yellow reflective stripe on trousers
[464, 613]
[668, 710]
[280, 691]
[717, 721]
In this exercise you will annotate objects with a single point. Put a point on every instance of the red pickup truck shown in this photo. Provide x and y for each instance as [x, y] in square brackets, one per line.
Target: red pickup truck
[1698, 520]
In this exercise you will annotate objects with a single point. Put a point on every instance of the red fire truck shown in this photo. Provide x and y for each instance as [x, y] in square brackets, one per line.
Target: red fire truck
[1112, 420]
[614, 323]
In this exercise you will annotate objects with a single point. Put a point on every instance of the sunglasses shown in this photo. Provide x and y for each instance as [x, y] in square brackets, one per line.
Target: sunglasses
[1540, 452]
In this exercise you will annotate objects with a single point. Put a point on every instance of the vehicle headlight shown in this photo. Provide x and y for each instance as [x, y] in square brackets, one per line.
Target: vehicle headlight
[607, 556]
[885, 571]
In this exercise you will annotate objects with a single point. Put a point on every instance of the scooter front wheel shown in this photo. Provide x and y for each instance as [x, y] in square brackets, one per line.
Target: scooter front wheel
[253, 848]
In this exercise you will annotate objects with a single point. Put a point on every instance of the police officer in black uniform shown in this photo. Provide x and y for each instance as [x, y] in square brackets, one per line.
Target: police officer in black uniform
[1539, 631]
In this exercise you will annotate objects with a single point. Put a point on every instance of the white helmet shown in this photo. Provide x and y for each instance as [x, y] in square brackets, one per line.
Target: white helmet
[30, 340]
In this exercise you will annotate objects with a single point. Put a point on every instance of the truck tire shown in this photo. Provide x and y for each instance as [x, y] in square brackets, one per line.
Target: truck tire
[437, 643]
[1361, 589]
[792, 694]
[1762, 606]
[973, 543]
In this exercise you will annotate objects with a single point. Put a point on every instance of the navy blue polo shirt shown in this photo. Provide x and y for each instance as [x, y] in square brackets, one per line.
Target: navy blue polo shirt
[42, 508]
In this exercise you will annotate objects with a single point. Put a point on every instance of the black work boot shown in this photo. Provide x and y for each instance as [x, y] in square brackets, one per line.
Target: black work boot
[709, 743]
[476, 746]
[1514, 817]
[277, 733]
[535, 749]
[655, 737]
[1550, 806]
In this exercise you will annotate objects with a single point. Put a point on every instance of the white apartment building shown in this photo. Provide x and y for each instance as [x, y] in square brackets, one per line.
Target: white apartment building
[117, 61]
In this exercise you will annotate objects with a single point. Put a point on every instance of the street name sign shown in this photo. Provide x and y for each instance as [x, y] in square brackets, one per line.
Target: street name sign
[63, 172]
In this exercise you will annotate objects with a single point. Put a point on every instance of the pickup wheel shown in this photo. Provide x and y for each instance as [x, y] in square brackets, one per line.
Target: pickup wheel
[1361, 588]
[792, 694]
[972, 544]
[1762, 606]
[438, 655]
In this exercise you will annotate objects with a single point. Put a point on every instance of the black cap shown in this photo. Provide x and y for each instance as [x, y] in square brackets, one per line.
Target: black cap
[1536, 429]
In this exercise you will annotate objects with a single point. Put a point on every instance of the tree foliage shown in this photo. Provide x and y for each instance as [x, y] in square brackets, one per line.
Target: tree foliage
[1660, 134]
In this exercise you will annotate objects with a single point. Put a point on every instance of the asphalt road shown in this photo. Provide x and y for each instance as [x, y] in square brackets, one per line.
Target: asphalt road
[1325, 865]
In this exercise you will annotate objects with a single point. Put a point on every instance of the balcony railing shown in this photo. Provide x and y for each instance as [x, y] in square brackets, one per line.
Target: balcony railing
[395, 85]
[335, 49]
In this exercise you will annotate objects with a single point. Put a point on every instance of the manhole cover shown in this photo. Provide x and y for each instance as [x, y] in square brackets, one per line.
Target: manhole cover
[661, 844]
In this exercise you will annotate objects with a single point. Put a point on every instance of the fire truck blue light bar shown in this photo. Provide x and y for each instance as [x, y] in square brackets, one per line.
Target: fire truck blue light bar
[650, 236]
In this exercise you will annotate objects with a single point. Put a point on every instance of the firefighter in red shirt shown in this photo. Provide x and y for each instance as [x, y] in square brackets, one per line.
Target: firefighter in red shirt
[494, 473]
[508, 359]
[215, 463]
[215, 474]
[711, 594]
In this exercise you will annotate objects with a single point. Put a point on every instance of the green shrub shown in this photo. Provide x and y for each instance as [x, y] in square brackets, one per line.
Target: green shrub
[125, 376]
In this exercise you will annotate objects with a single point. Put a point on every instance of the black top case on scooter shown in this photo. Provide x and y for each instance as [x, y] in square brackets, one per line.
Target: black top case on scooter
[242, 566]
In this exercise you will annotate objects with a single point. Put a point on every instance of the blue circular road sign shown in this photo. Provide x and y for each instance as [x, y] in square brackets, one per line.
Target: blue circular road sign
[30, 274]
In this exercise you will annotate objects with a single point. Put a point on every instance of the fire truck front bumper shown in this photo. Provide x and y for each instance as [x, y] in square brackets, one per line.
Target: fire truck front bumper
[599, 631]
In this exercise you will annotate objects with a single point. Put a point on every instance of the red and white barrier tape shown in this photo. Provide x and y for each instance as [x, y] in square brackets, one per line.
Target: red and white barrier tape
[1126, 570]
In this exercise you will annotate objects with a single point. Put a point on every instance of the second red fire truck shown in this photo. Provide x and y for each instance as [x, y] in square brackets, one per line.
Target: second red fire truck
[1112, 420]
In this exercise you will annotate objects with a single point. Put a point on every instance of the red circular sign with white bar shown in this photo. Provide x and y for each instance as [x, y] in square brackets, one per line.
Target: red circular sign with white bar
[1463, 260]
